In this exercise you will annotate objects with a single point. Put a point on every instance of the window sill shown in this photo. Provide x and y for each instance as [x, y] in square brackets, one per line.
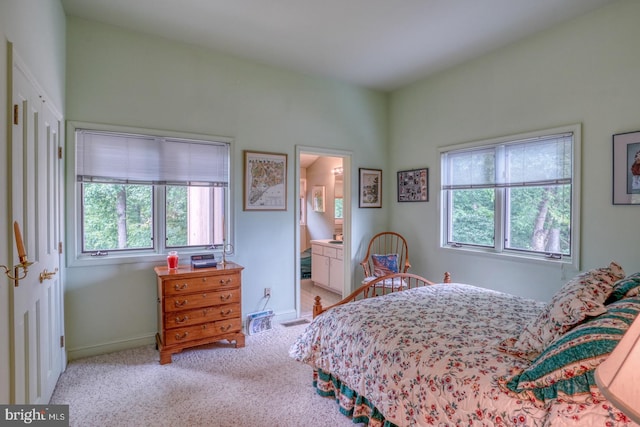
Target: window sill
[511, 256]
[133, 258]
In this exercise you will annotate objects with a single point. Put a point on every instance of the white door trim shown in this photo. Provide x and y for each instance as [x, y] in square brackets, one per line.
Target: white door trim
[347, 157]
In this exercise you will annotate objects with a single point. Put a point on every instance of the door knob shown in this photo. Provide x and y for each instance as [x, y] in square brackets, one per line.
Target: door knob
[47, 274]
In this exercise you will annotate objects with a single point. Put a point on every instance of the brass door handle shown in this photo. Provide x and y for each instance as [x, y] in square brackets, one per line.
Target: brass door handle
[47, 275]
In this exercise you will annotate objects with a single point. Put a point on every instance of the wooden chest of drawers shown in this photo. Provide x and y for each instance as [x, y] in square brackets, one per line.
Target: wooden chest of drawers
[198, 306]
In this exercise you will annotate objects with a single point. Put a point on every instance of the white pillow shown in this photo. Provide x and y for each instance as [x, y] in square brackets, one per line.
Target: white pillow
[581, 297]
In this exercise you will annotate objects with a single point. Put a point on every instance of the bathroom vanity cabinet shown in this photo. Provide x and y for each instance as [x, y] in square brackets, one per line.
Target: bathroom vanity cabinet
[327, 265]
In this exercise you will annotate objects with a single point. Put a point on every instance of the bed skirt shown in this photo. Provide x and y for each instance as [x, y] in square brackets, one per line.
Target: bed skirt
[350, 403]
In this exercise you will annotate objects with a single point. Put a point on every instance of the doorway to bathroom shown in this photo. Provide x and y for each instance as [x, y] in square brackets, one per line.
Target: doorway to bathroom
[323, 211]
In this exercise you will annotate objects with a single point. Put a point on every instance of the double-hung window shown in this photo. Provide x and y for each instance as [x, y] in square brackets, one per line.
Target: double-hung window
[138, 193]
[517, 195]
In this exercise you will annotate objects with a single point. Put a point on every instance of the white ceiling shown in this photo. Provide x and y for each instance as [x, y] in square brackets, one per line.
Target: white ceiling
[381, 44]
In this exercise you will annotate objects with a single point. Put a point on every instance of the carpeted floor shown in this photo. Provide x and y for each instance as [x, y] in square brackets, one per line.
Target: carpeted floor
[215, 385]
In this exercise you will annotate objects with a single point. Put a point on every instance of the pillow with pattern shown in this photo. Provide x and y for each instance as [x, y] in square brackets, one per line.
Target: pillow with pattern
[384, 265]
[566, 368]
[583, 296]
[627, 287]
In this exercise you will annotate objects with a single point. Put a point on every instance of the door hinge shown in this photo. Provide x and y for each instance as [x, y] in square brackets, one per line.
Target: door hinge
[60, 247]
[16, 113]
[59, 152]
[61, 341]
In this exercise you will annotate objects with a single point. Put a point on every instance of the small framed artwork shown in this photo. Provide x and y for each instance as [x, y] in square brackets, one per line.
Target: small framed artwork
[626, 168]
[413, 185]
[265, 181]
[370, 188]
[317, 198]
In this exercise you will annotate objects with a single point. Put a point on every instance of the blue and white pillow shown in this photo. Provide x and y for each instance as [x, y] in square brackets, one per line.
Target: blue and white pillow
[384, 265]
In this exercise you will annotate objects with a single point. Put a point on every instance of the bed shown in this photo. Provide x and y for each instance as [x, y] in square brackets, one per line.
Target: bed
[455, 354]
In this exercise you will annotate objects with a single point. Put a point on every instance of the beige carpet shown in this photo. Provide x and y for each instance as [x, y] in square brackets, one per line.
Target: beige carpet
[215, 385]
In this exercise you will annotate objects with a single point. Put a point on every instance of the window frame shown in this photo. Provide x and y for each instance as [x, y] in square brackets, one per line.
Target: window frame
[157, 253]
[498, 251]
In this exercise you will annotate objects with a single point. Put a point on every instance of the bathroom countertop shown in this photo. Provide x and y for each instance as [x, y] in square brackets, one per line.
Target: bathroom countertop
[330, 242]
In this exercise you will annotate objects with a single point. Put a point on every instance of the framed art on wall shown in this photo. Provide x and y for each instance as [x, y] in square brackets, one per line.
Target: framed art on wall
[370, 188]
[318, 198]
[265, 181]
[413, 185]
[626, 168]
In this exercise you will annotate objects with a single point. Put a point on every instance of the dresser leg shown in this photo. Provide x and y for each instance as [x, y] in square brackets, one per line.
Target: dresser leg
[239, 340]
[165, 356]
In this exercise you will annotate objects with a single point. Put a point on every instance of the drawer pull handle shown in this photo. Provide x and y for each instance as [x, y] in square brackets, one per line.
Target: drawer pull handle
[226, 313]
[182, 319]
[225, 281]
[225, 328]
[181, 287]
[204, 326]
[181, 337]
[225, 297]
[181, 303]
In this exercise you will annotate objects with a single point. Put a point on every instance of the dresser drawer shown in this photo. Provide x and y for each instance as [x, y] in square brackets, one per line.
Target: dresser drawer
[203, 299]
[178, 319]
[197, 284]
[205, 330]
[198, 306]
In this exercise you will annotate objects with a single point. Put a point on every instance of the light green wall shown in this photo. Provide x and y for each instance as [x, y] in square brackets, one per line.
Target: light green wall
[37, 30]
[124, 78]
[585, 71]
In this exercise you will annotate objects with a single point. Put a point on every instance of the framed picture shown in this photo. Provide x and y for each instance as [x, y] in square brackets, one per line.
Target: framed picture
[370, 188]
[318, 198]
[626, 168]
[413, 185]
[265, 181]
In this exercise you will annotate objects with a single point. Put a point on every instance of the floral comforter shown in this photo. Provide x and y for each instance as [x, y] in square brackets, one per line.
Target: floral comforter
[427, 356]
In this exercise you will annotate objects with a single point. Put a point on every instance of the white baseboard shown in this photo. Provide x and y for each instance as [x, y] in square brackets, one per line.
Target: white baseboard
[110, 347]
[285, 316]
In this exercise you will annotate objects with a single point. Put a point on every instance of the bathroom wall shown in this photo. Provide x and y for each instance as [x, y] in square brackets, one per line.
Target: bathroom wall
[320, 225]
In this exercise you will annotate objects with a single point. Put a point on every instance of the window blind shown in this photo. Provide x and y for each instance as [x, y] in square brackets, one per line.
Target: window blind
[531, 162]
[140, 159]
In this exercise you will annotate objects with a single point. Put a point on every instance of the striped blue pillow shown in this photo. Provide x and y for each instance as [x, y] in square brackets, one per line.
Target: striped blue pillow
[627, 287]
[565, 368]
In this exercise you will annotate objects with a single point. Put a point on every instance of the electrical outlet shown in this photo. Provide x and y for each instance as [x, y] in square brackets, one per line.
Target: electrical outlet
[267, 292]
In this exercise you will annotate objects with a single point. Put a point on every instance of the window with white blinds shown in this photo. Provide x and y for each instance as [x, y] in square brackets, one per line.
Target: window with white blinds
[530, 162]
[513, 195]
[148, 193]
[140, 159]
